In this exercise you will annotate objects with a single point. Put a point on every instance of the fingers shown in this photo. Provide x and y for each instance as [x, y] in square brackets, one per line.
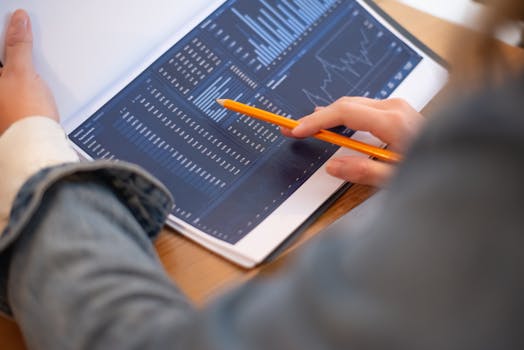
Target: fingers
[354, 113]
[286, 132]
[391, 120]
[19, 43]
[22, 92]
[289, 133]
[360, 170]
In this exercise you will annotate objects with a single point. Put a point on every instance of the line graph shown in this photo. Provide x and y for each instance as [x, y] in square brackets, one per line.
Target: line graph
[347, 67]
[348, 70]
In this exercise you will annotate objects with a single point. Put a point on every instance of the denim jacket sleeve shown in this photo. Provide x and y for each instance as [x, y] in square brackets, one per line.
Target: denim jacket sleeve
[146, 198]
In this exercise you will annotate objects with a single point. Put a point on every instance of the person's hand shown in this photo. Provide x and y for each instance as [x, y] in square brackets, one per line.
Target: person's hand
[393, 121]
[22, 92]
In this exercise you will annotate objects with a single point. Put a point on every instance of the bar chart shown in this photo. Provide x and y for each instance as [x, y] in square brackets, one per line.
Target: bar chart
[280, 24]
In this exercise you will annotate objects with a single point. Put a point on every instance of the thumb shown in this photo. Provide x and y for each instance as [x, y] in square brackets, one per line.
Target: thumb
[19, 43]
[361, 170]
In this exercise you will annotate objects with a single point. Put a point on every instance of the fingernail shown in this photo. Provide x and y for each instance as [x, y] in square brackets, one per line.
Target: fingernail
[19, 25]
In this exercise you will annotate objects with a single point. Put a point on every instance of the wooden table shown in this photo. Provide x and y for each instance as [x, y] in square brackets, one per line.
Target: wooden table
[201, 274]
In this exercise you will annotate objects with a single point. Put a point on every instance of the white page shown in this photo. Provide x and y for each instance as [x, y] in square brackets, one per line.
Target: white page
[83, 47]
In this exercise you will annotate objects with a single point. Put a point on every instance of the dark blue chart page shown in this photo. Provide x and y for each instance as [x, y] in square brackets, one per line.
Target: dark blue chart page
[228, 172]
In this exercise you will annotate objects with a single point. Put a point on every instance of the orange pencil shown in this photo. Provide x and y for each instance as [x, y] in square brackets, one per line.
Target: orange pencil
[324, 135]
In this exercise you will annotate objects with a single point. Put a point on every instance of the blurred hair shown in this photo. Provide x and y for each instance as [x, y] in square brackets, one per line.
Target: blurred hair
[483, 57]
[504, 11]
[508, 9]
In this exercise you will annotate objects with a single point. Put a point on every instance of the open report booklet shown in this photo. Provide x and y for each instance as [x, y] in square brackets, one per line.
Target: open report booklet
[240, 187]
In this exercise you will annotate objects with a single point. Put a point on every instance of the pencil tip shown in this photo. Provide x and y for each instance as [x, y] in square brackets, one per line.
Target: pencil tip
[220, 101]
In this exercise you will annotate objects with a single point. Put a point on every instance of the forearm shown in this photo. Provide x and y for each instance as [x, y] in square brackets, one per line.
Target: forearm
[85, 276]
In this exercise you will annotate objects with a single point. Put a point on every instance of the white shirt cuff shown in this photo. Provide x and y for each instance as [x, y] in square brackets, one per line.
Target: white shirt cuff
[26, 147]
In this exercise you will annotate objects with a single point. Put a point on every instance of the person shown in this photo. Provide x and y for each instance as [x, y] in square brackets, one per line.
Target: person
[440, 267]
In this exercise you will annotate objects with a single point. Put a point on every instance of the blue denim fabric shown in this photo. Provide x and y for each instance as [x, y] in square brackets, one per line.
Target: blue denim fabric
[147, 199]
